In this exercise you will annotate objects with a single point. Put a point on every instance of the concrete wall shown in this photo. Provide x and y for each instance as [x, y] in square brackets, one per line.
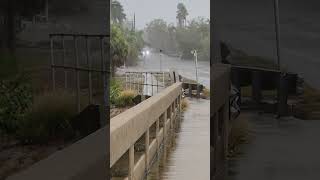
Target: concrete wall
[86, 159]
[219, 118]
[129, 126]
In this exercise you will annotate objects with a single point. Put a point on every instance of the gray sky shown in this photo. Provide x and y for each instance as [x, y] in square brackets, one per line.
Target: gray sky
[147, 10]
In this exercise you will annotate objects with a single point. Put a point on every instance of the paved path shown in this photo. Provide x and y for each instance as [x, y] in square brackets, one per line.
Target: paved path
[285, 149]
[188, 157]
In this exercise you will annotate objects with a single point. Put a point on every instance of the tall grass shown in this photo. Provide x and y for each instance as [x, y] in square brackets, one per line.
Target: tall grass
[48, 118]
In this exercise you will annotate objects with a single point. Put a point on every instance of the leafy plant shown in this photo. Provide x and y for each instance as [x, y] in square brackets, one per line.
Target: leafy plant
[115, 89]
[15, 99]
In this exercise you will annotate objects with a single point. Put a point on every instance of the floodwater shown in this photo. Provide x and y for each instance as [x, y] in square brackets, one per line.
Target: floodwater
[184, 67]
[281, 149]
[187, 155]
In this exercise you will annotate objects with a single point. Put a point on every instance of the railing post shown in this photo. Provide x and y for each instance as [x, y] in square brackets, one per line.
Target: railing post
[147, 136]
[89, 71]
[52, 65]
[131, 163]
[126, 81]
[165, 118]
[77, 72]
[157, 133]
[64, 62]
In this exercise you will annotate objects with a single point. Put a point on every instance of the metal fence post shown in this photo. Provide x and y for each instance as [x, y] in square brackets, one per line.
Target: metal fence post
[89, 70]
[52, 65]
[105, 96]
[64, 62]
[77, 72]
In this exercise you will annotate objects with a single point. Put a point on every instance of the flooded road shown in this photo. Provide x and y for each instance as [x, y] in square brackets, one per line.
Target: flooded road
[281, 149]
[184, 67]
[187, 156]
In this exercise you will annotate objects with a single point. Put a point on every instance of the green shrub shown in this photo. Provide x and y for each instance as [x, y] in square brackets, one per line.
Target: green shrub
[115, 89]
[48, 118]
[15, 99]
[126, 98]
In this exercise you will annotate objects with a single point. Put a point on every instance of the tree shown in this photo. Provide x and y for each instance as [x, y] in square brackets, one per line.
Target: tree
[182, 14]
[157, 33]
[117, 12]
[195, 36]
[119, 47]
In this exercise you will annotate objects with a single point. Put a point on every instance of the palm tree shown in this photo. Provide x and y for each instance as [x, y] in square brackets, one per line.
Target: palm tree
[117, 12]
[182, 14]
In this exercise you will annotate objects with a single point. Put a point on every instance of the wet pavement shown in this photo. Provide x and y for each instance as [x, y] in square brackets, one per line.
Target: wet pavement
[187, 157]
[284, 149]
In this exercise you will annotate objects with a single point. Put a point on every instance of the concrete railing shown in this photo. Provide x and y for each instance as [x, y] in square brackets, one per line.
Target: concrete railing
[86, 159]
[219, 118]
[128, 127]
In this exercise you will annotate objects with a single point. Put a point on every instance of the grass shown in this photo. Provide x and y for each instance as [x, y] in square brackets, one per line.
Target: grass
[48, 118]
[238, 135]
[125, 98]
[184, 104]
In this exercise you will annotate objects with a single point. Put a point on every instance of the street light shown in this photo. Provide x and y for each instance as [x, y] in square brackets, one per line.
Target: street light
[160, 60]
[195, 54]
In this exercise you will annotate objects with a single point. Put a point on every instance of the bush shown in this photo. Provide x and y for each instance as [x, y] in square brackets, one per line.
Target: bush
[115, 89]
[126, 98]
[48, 118]
[15, 99]
[184, 104]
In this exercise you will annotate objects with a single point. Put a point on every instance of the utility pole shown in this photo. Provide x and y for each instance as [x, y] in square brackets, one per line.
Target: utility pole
[277, 30]
[134, 22]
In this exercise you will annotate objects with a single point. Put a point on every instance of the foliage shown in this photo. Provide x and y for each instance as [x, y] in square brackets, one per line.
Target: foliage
[48, 118]
[125, 98]
[184, 104]
[182, 14]
[16, 97]
[125, 46]
[160, 35]
[196, 35]
[117, 12]
[119, 47]
[115, 89]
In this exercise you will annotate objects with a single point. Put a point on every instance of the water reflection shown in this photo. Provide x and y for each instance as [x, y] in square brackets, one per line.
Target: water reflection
[187, 154]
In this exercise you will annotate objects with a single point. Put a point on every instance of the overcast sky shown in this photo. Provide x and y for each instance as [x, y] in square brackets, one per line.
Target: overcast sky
[147, 10]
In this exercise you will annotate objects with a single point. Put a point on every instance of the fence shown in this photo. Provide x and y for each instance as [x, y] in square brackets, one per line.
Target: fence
[128, 127]
[219, 117]
[76, 67]
[145, 81]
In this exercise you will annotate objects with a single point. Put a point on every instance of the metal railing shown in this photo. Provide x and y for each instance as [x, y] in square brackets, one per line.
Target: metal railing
[155, 80]
[128, 127]
[76, 67]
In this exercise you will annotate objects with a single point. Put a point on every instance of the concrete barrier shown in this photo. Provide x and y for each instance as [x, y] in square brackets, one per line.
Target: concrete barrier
[86, 159]
[219, 118]
[127, 128]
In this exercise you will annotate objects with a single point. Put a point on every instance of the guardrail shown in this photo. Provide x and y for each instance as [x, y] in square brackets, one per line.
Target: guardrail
[219, 118]
[128, 127]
